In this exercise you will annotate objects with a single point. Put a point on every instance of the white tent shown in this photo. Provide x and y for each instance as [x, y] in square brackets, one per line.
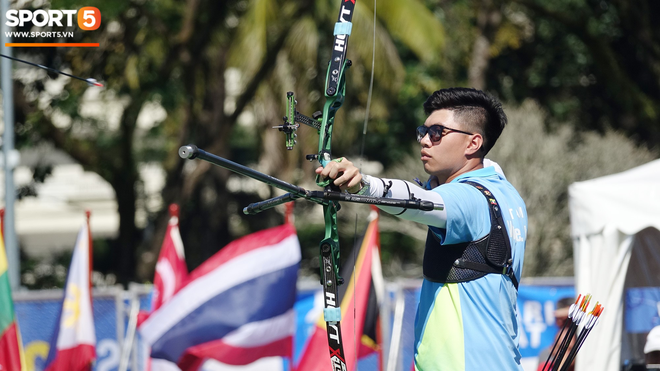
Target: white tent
[607, 216]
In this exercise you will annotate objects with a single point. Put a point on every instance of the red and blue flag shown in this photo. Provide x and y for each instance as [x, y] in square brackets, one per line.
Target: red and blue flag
[236, 308]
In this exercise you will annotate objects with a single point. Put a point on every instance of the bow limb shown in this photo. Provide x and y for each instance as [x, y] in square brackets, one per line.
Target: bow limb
[335, 89]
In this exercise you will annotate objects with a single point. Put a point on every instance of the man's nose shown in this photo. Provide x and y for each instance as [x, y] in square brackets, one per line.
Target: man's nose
[426, 141]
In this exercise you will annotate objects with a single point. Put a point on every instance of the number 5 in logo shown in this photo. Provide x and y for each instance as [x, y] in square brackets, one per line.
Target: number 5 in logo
[89, 18]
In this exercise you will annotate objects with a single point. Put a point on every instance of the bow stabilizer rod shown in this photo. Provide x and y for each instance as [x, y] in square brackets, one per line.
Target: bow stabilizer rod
[191, 152]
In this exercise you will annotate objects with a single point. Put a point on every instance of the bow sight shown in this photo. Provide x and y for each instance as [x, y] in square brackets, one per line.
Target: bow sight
[292, 122]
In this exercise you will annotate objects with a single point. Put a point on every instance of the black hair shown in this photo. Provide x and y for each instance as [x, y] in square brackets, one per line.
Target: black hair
[477, 111]
[565, 302]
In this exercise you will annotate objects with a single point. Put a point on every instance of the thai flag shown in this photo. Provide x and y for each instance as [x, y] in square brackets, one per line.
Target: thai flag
[74, 342]
[236, 308]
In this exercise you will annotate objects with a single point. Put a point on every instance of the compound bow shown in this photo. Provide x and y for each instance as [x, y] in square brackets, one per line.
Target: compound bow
[335, 88]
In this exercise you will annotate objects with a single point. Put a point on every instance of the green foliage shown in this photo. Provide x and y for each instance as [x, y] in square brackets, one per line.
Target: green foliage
[411, 23]
[594, 63]
[45, 274]
[51, 272]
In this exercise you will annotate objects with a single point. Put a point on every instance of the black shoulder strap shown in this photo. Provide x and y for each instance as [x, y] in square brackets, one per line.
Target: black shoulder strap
[502, 257]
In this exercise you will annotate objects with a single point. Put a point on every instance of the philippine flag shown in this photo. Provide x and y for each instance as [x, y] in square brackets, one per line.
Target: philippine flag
[74, 343]
[236, 308]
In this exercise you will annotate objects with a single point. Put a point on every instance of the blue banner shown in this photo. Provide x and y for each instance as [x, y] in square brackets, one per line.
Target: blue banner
[642, 305]
[536, 305]
[37, 319]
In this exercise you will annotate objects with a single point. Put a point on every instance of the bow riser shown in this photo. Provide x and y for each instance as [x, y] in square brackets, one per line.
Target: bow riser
[332, 105]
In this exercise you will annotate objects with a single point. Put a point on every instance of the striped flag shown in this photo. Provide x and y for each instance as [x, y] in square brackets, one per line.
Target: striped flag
[171, 269]
[236, 308]
[171, 273]
[11, 348]
[361, 295]
[73, 347]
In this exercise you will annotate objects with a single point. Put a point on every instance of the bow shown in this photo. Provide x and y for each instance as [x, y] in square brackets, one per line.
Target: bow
[335, 88]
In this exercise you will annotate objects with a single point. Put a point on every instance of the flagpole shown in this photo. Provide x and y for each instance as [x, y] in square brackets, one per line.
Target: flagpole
[90, 254]
[127, 344]
[397, 328]
[10, 156]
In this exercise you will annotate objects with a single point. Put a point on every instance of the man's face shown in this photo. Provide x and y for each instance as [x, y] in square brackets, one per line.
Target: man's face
[445, 157]
[560, 321]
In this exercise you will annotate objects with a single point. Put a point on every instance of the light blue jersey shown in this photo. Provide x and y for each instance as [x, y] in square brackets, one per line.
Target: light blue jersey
[473, 326]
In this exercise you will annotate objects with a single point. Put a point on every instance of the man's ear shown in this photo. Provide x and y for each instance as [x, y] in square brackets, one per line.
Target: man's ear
[474, 145]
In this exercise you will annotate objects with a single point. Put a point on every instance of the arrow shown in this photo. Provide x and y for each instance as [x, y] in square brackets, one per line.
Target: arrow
[90, 81]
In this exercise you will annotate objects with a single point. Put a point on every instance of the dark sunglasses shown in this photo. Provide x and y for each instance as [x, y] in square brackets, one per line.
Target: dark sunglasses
[435, 132]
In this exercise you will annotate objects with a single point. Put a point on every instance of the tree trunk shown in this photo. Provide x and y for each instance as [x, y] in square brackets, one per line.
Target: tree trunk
[124, 177]
[126, 242]
[489, 18]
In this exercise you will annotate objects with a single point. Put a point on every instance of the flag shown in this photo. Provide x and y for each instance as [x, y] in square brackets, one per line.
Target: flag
[236, 307]
[171, 273]
[171, 270]
[11, 348]
[361, 295]
[73, 347]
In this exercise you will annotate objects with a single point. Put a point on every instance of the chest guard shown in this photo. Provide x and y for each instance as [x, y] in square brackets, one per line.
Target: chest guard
[468, 261]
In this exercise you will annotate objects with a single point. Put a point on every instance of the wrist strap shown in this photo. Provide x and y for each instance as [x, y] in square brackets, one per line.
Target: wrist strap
[405, 209]
[386, 187]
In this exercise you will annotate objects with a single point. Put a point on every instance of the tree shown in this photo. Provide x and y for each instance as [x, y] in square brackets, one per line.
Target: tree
[178, 57]
[593, 62]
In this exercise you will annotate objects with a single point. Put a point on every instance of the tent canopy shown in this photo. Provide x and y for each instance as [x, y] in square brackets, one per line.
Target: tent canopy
[606, 214]
[628, 201]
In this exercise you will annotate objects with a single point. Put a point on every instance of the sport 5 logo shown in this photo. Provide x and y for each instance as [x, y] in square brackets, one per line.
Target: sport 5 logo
[88, 19]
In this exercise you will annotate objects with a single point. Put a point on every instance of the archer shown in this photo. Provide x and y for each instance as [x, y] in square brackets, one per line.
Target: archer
[467, 318]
